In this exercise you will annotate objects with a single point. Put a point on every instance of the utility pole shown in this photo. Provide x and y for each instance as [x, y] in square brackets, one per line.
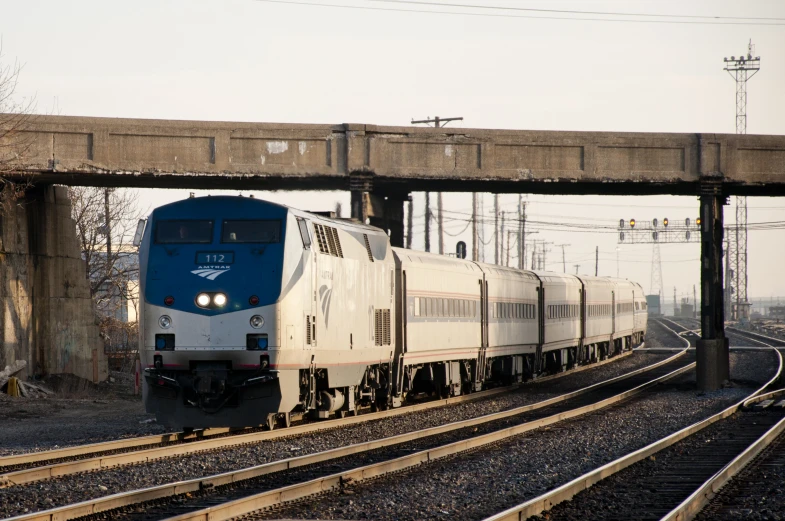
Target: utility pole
[496, 226]
[534, 255]
[501, 251]
[481, 232]
[694, 301]
[437, 123]
[108, 224]
[563, 261]
[674, 301]
[509, 247]
[655, 282]
[409, 220]
[427, 221]
[576, 268]
[521, 233]
[596, 260]
[440, 223]
[545, 251]
[475, 236]
[740, 69]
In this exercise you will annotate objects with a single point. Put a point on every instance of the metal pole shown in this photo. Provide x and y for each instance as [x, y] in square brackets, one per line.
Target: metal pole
[409, 220]
[596, 260]
[475, 242]
[521, 233]
[108, 223]
[509, 247]
[496, 226]
[501, 250]
[440, 223]
[427, 221]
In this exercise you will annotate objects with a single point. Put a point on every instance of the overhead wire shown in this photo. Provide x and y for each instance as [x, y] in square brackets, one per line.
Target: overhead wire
[569, 11]
[507, 15]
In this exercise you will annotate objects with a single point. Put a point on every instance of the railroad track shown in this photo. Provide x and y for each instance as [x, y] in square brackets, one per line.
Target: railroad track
[671, 479]
[37, 466]
[273, 483]
[756, 491]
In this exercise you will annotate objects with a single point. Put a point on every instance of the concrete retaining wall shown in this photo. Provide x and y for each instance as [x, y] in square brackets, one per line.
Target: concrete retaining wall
[46, 313]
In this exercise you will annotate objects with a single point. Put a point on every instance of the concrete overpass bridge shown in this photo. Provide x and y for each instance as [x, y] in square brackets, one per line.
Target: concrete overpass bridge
[381, 165]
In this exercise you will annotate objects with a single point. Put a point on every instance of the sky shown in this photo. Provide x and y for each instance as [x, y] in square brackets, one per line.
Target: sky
[386, 63]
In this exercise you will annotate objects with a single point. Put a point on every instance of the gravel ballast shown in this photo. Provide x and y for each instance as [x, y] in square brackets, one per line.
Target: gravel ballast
[484, 482]
[70, 489]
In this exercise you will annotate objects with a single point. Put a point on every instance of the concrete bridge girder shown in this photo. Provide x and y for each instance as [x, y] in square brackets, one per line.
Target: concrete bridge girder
[195, 154]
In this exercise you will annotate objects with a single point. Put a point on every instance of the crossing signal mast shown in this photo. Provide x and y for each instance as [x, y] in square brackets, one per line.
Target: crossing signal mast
[740, 69]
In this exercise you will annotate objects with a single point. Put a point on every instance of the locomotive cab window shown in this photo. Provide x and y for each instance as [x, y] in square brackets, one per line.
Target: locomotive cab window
[184, 232]
[265, 232]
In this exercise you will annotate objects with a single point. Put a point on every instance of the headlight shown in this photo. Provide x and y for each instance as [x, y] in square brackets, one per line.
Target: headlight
[165, 321]
[257, 321]
[203, 300]
[219, 299]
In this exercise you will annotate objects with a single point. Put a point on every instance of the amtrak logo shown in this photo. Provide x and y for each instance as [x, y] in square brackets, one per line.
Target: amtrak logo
[211, 272]
[325, 294]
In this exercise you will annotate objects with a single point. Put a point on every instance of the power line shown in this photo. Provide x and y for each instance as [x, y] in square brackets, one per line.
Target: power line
[569, 11]
[493, 15]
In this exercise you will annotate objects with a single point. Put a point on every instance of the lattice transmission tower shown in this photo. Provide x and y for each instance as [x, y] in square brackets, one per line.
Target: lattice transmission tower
[741, 69]
[655, 285]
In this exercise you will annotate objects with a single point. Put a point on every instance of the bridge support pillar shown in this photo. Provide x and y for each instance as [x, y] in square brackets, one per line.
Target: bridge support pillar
[47, 315]
[386, 212]
[713, 359]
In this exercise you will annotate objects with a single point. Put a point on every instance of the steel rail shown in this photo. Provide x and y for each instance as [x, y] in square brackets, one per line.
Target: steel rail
[678, 335]
[691, 506]
[544, 502]
[270, 498]
[34, 474]
[122, 499]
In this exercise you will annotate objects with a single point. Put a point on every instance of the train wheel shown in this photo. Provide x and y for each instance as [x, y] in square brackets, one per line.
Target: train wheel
[285, 420]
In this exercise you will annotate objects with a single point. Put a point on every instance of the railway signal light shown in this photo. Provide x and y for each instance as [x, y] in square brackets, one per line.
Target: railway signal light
[654, 222]
[665, 222]
[698, 221]
[632, 223]
[687, 222]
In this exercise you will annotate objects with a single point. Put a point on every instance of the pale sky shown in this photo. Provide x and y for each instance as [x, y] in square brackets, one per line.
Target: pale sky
[251, 60]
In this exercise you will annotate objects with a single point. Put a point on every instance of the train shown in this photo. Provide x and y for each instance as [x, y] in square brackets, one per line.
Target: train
[253, 314]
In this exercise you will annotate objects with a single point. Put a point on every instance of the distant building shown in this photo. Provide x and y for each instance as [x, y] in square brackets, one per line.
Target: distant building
[777, 312]
[653, 304]
[118, 297]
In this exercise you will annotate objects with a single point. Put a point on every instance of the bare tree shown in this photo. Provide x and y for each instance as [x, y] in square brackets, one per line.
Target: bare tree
[14, 143]
[106, 220]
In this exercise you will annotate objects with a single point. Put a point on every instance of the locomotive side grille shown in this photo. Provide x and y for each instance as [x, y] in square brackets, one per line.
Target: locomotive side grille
[386, 327]
[383, 330]
[328, 240]
[308, 329]
[368, 247]
[337, 251]
[321, 238]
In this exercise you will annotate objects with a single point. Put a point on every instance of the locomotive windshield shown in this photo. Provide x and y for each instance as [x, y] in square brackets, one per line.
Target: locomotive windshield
[183, 232]
[268, 231]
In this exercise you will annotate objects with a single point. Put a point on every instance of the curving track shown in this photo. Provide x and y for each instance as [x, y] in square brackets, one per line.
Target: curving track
[670, 479]
[429, 443]
[36, 466]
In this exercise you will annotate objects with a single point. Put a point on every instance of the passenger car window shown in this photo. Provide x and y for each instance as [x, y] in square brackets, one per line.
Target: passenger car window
[265, 232]
[183, 232]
